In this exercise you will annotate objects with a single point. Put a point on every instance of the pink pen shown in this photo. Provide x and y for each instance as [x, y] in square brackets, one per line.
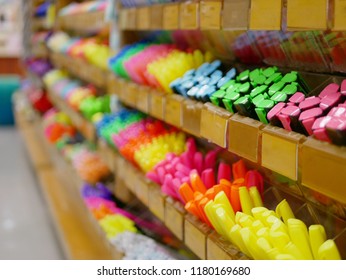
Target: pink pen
[198, 162]
[319, 128]
[210, 159]
[161, 172]
[151, 175]
[183, 169]
[289, 118]
[330, 100]
[224, 172]
[187, 160]
[273, 114]
[308, 118]
[343, 87]
[336, 129]
[309, 103]
[331, 88]
[208, 178]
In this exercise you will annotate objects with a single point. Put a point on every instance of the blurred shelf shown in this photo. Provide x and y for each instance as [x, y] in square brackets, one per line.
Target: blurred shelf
[81, 69]
[83, 22]
[40, 24]
[77, 233]
[235, 15]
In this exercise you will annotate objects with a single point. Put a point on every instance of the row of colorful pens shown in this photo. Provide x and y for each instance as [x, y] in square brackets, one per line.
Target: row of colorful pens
[265, 94]
[121, 226]
[81, 97]
[229, 199]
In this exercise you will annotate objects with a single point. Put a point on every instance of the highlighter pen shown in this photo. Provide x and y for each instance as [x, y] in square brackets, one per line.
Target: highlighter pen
[328, 251]
[317, 236]
[209, 211]
[235, 237]
[222, 199]
[300, 237]
[284, 211]
[245, 200]
[255, 197]
[250, 241]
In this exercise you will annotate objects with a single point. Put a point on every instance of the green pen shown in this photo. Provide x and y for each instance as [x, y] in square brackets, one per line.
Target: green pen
[244, 106]
[279, 97]
[243, 76]
[290, 89]
[270, 71]
[217, 96]
[254, 73]
[233, 87]
[258, 90]
[260, 80]
[276, 77]
[258, 99]
[244, 88]
[263, 108]
[228, 84]
[229, 99]
[274, 88]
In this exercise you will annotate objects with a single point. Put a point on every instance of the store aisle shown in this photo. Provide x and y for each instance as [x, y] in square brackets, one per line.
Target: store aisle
[26, 231]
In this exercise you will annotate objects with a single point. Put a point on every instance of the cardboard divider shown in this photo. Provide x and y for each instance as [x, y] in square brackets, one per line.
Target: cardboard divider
[189, 15]
[210, 14]
[143, 99]
[235, 14]
[196, 234]
[265, 15]
[143, 18]
[214, 124]
[280, 151]
[244, 137]
[157, 201]
[157, 102]
[174, 217]
[192, 111]
[220, 249]
[156, 16]
[129, 94]
[84, 22]
[173, 110]
[324, 168]
[171, 15]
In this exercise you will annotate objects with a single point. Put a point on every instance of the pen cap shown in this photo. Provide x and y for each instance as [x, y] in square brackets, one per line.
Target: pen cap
[208, 178]
[254, 179]
[197, 183]
[300, 237]
[222, 199]
[235, 200]
[256, 226]
[225, 220]
[186, 192]
[209, 211]
[278, 239]
[224, 172]
[257, 212]
[235, 237]
[245, 200]
[255, 197]
[284, 211]
[328, 251]
[317, 236]
[250, 241]
[239, 170]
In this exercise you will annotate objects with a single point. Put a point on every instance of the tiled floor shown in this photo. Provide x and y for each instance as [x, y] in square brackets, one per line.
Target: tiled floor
[26, 230]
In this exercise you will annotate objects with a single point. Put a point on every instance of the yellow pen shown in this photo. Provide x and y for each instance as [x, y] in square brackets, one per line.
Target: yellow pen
[255, 197]
[278, 225]
[293, 250]
[263, 232]
[257, 212]
[284, 211]
[245, 200]
[236, 238]
[317, 236]
[225, 220]
[256, 226]
[240, 215]
[328, 251]
[221, 198]
[300, 237]
[279, 239]
[209, 210]
[246, 221]
[250, 241]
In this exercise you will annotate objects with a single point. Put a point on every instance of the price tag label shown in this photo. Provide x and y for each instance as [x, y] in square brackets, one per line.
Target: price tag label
[156, 106]
[323, 168]
[192, 111]
[339, 15]
[195, 237]
[157, 202]
[174, 219]
[143, 15]
[266, 15]
[173, 110]
[156, 12]
[244, 135]
[131, 20]
[189, 15]
[171, 17]
[235, 14]
[214, 124]
[314, 18]
[142, 190]
[143, 99]
[277, 141]
[210, 17]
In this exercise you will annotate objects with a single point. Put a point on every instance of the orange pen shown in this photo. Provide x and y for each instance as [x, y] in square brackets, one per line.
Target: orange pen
[198, 198]
[201, 206]
[192, 209]
[210, 194]
[197, 183]
[186, 192]
[235, 200]
[239, 170]
[225, 182]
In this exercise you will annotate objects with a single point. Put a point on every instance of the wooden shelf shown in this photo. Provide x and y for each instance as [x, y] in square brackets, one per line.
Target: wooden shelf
[81, 69]
[83, 22]
[77, 233]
